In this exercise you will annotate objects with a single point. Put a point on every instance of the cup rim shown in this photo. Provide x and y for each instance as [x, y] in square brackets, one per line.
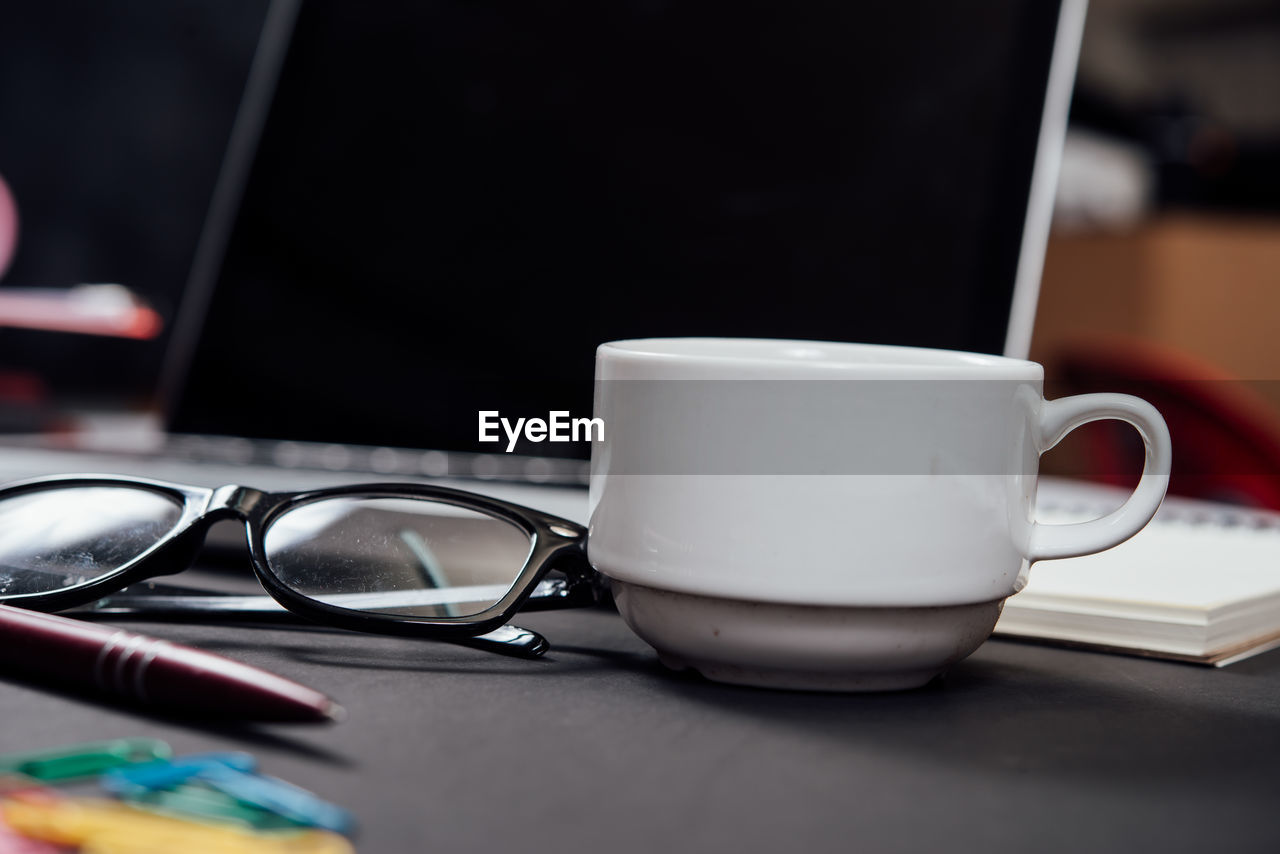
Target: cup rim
[827, 357]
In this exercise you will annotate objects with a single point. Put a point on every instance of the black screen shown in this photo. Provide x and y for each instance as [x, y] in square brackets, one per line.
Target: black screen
[453, 203]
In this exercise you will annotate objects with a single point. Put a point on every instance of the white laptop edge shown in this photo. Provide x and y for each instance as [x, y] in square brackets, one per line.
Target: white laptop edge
[242, 148]
[1044, 177]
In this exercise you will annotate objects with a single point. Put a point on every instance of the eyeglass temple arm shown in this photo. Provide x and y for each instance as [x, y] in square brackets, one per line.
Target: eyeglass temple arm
[164, 602]
[580, 586]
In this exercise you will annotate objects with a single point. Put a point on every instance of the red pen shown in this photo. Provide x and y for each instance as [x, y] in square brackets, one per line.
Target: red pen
[154, 673]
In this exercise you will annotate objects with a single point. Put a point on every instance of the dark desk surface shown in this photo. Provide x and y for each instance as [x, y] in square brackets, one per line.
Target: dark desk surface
[598, 748]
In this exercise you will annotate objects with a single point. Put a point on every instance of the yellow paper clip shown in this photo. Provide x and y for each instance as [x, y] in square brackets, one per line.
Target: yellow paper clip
[11, 842]
[107, 827]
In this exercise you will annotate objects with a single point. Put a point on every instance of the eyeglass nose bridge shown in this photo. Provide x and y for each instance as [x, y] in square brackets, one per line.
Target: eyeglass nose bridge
[233, 500]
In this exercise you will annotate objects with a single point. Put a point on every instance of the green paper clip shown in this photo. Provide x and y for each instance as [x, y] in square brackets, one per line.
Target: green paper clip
[80, 761]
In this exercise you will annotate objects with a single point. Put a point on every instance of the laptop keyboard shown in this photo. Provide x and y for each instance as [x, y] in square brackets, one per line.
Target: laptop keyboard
[556, 486]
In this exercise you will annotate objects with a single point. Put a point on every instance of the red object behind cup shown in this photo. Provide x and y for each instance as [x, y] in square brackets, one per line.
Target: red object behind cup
[8, 226]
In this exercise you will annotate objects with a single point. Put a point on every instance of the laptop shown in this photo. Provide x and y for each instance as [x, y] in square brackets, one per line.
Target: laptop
[427, 211]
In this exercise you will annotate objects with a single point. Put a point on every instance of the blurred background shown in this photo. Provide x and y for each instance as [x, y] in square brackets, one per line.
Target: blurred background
[1162, 275]
[115, 118]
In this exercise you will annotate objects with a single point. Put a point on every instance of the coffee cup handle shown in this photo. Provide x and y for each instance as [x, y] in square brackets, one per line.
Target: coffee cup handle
[1060, 417]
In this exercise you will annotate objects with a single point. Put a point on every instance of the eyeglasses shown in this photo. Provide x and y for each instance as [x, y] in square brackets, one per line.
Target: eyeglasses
[398, 559]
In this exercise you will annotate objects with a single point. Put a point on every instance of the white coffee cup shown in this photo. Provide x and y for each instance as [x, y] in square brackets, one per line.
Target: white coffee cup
[832, 516]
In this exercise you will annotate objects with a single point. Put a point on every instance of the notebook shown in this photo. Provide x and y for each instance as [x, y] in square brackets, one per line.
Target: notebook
[1201, 583]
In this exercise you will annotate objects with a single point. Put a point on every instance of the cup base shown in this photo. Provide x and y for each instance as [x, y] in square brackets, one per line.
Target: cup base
[804, 647]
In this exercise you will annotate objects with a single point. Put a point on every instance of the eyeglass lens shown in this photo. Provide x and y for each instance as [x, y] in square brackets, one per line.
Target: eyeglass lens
[396, 556]
[57, 538]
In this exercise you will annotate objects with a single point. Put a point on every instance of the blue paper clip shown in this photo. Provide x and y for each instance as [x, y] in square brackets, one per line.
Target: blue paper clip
[232, 774]
[292, 802]
[165, 774]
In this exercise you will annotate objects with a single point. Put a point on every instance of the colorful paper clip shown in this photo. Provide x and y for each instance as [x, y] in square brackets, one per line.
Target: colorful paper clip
[80, 761]
[286, 799]
[230, 774]
[108, 827]
[12, 843]
[195, 800]
[22, 787]
[166, 773]
[168, 787]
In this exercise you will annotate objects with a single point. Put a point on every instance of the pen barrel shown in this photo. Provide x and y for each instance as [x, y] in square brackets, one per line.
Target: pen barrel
[183, 677]
[154, 673]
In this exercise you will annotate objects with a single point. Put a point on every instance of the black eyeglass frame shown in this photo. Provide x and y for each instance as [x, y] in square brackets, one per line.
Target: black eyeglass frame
[554, 544]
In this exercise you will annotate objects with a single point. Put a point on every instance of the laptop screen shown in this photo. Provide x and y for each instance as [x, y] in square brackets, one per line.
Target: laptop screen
[450, 205]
